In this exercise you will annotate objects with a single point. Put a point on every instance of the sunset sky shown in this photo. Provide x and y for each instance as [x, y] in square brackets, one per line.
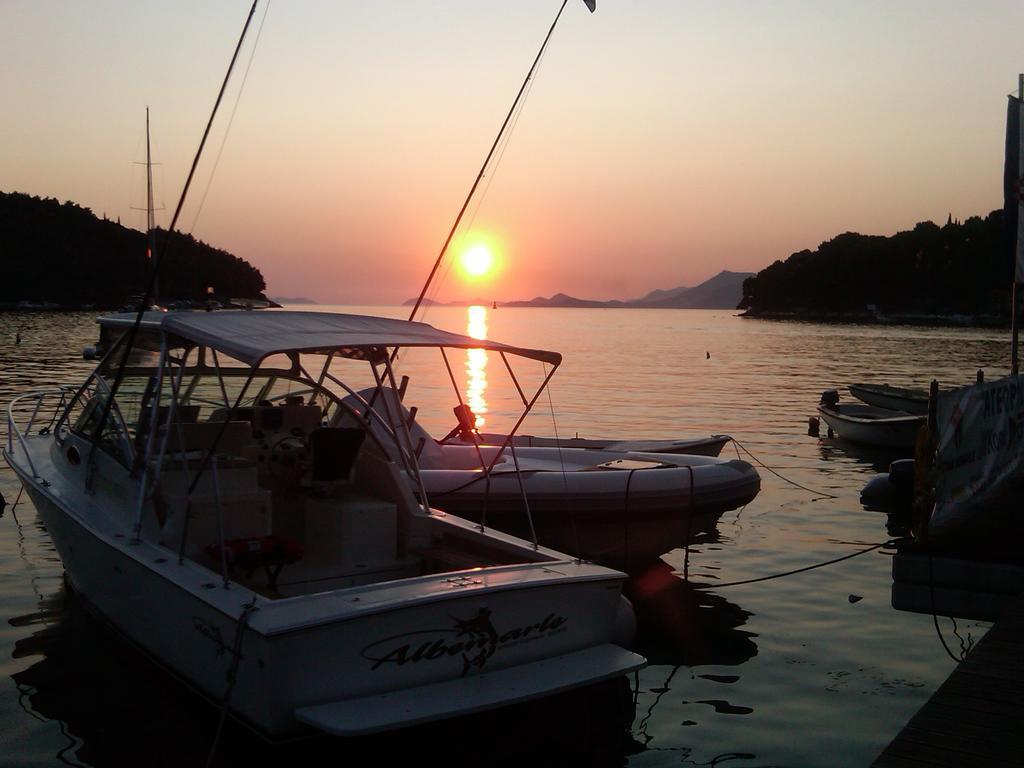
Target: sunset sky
[662, 142]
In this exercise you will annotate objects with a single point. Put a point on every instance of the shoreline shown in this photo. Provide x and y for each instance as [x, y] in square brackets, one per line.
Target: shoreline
[884, 318]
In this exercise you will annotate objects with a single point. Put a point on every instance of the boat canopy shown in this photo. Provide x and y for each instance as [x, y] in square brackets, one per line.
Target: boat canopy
[252, 336]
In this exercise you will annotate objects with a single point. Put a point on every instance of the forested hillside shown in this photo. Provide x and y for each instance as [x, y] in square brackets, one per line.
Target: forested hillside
[62, 253]
[956, 269]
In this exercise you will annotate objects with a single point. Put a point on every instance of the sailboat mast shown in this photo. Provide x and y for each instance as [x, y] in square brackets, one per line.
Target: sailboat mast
[150, 212]
[147, 298]
[150, 216]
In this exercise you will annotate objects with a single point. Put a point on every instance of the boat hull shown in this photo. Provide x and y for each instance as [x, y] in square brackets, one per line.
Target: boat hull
[336, 646]
[617, 517]
[913, 401]
[871, 425]
[703, 446]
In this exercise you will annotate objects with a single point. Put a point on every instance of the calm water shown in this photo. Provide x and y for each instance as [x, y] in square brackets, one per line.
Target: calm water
[814, 669]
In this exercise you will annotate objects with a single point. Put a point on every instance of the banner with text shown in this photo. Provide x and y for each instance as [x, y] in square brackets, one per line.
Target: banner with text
[980, 446]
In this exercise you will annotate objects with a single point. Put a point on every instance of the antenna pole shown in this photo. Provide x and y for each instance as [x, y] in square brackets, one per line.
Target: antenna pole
[483, 168]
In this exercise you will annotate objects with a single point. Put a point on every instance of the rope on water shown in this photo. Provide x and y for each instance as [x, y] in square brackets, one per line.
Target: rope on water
[964, 647]
[806, 568]
[781, 477]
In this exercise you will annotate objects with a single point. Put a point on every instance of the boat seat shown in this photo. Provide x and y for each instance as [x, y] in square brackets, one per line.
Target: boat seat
[334, 451]
[183, 414]
[201, 436]
[428, 452]
[233, 503]
[186, 414]
[270, 420]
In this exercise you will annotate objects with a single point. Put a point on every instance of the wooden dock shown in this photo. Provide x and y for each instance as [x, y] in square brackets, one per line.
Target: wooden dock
[976, 717]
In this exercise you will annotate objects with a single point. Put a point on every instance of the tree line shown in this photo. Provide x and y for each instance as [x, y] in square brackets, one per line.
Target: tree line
[63, 253]
[959, 268]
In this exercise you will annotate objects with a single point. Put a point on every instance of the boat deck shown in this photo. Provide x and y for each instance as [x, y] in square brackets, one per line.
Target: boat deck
[975, 717]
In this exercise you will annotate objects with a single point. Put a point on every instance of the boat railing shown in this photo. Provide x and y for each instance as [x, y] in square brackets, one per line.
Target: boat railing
[34, 410]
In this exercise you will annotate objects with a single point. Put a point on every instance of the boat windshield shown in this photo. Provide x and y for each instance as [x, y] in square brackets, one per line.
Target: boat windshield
[86, 412]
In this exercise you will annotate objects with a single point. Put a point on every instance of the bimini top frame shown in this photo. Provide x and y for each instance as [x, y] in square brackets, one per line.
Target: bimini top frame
[252, 336]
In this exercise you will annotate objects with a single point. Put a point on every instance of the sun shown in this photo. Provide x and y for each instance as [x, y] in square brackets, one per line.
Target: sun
[477, 260]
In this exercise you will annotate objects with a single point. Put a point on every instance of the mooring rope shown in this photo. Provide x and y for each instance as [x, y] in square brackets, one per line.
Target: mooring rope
[795, 571]
[232, 674]
[935, 619]
[761, 464]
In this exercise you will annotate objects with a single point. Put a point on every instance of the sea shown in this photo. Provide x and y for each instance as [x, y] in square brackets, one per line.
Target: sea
[815, 668]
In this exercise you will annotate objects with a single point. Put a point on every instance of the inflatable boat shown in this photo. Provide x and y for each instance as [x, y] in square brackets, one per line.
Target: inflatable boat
[620, 507]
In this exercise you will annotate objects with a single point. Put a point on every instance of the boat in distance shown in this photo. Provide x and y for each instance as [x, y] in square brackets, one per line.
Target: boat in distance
[620, 508]
[869, 424]
[208, 509]
[906, 399]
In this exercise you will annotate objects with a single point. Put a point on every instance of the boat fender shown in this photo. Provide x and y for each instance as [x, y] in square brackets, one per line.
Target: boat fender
[813, 426]
[624, 631]
[830, 398]
[879, 494]
[89, 353]
[901, 472]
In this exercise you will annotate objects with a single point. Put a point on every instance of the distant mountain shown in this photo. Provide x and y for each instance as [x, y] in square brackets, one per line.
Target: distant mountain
[562, 300]
[460, 303]
[723, 291]
[293, 300]
[62, 253]
[659, 295]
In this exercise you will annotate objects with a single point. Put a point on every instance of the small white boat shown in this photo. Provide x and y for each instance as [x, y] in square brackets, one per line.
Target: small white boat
[869, 424]
[282, 566]
[698, 446]
[913, 401]
[616, 507]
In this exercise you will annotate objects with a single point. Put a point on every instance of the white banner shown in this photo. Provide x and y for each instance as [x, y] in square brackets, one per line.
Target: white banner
[980, 447]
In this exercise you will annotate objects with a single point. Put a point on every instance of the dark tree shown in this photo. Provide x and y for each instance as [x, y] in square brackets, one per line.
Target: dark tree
[960, 268]
[61, 252]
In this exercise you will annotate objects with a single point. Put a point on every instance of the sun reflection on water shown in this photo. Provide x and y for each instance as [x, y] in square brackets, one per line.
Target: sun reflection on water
[476, 364]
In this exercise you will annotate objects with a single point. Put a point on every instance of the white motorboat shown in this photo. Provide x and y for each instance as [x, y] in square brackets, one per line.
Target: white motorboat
[869, 424]
[617, 507]
[696, 446]
[913, 401]
[280, 565]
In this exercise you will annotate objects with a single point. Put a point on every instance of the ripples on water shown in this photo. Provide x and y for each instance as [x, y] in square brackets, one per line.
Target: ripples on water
[815, 669]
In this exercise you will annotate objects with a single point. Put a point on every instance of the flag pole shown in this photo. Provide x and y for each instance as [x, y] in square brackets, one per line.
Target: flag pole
[1014, 322]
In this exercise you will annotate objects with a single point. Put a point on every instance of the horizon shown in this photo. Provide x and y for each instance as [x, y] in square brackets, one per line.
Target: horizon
[679, 141]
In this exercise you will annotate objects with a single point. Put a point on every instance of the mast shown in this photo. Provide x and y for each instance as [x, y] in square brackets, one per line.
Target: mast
[150, 212]
[150, 216]
[147, 298]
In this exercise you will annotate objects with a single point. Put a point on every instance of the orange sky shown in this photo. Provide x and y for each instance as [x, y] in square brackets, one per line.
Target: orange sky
[662, 141]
